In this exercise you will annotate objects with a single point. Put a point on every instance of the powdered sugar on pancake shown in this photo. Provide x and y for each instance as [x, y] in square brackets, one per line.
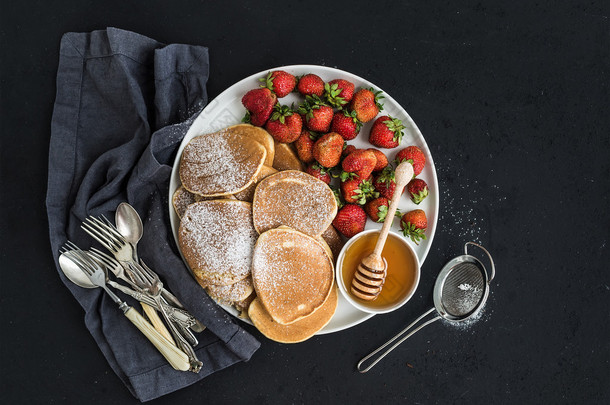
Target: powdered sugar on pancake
[294, 199]
[292, 274]
[220, 163]
[217, 239]
[182, 198]
[229, 294]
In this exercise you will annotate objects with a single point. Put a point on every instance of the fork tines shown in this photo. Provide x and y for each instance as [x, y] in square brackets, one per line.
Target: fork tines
[104, 232]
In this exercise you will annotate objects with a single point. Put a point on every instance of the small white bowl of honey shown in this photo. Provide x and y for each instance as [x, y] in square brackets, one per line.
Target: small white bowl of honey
[402, 276]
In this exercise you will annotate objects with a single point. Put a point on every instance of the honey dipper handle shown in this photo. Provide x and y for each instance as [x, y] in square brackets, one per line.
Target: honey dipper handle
[403, 174]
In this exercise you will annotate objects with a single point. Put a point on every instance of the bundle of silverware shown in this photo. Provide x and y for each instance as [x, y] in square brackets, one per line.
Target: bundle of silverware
[89, 269]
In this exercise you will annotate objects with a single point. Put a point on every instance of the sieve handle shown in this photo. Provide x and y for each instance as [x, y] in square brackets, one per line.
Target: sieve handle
[493, 267]
[400, 334]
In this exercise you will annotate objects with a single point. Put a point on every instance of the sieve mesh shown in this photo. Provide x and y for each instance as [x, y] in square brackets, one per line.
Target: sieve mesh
[463, 289]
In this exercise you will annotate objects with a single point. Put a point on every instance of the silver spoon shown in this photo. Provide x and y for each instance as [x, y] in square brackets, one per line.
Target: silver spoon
[129, 224]
[177, 358]
[75, 274]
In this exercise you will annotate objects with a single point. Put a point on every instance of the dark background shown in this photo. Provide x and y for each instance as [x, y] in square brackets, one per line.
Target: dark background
[512, 98]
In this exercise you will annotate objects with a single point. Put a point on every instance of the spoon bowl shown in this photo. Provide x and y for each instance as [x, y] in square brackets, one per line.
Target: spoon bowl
[73, 272]
[129, 224]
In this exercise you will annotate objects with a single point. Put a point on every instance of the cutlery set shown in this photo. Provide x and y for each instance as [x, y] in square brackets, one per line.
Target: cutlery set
[89, 269]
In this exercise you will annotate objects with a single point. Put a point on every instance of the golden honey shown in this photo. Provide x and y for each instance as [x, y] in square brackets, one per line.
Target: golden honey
[401, 272]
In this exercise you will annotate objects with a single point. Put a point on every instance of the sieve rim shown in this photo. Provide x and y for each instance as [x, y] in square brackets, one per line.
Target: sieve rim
[440, 282]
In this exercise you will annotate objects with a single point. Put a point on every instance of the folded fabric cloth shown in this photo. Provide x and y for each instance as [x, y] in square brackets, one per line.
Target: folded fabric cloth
[124, 103]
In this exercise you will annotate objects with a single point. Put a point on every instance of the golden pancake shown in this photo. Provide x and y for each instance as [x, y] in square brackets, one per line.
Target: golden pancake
[294, 199]
[298, 331]
[217, 239]
[292, 274]
[232, 293]
[220, 163]
[181, 199]
[248, 193]
[286, 158]
[259, 135]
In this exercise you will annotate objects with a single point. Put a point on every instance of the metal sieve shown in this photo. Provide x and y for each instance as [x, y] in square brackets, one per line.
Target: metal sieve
[460, 291]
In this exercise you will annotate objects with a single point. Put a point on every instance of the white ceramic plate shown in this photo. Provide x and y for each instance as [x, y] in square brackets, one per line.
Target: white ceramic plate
[226, 110]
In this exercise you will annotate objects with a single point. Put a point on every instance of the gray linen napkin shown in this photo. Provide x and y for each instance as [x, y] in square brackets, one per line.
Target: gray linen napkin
[124, 103]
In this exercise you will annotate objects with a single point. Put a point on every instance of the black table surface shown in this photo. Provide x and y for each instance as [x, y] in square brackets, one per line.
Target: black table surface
[512, 99]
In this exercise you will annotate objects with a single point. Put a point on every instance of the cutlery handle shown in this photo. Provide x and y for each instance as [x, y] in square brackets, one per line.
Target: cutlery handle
[176, 357]
[156, 321]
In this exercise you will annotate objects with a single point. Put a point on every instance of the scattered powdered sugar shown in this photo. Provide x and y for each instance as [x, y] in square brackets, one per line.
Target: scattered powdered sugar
[217, 238]
[465, 287]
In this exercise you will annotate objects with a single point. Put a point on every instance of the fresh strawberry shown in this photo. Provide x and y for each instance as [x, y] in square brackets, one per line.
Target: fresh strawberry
[319, 172]
[350, 220]
[386, 132]
[311, 84]
[366, 104]
[346, 124]
[377, 209]
[382, 160]
[284, 125]
[414, 224]
[357, 191]
[362, 162]
[385, 183]
[339, 92]
[259, 103]
[418, 190]
[279, 82]
[327, 150]
[304, 145]
[318, 115]
[347, 150]
[413, 155]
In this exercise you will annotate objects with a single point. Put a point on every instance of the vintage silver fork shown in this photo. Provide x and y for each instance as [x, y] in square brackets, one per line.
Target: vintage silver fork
[178, 315]
[96, 274]
[106, 234]
[154, 286]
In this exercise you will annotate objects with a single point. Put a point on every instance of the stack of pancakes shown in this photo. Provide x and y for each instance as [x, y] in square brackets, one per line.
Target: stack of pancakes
[256, 231]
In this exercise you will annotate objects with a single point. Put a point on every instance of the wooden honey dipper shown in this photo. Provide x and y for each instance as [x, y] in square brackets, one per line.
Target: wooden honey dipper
[369, 277]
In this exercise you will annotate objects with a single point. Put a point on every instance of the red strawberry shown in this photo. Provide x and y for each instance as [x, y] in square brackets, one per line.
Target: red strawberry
[318, 115]
[413, 155]
[418, 190]
[350, 220]
[386, 132]
[327, 150]
[339, 92]
[348, 149]
[346, 124]
[362, 162]
[377, 209]
[319, 172]
[311, 84]
[259, 103]
[366, 104]
[284, 125]
[357, 191]
[304, 145]
[414, 224]
[385, 183]
[279, 82]
[382, 160]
